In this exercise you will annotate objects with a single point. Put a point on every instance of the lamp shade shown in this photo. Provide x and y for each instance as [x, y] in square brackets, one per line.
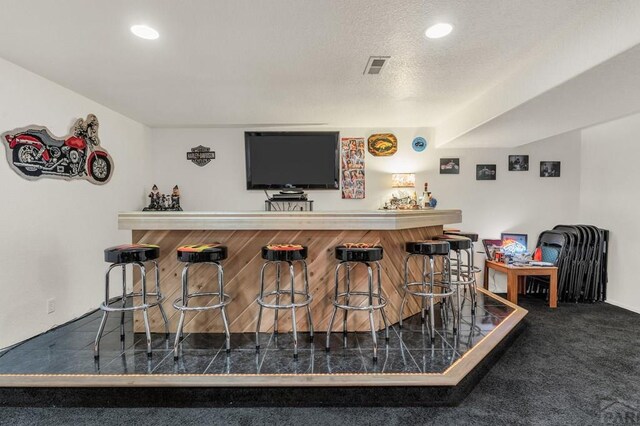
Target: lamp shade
[403, 180]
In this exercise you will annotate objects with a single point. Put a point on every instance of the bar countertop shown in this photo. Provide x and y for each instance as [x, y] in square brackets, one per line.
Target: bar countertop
[301, 220]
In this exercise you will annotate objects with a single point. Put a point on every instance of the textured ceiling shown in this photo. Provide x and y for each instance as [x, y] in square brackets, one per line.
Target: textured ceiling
[235, 63]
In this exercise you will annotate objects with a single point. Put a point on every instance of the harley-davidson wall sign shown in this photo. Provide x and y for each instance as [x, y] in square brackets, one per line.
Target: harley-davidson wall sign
[34, 152]
[201, 155]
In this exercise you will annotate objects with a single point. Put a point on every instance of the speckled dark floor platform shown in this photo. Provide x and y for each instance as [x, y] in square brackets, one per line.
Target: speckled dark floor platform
[69, 349]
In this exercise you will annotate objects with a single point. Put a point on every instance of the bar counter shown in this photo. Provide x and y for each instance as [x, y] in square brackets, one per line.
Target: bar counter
[244, 233]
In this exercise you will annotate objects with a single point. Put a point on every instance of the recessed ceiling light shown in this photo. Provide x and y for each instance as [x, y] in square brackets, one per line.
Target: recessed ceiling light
[145, 32]
[438, 30]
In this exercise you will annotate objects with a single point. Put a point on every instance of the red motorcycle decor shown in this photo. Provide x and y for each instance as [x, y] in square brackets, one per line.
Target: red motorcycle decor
[34, 152]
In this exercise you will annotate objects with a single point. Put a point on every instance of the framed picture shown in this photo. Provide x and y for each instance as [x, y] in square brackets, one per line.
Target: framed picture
[518, 163]
[550, 169]
[449, 166]
[485, 172]
[352, 159]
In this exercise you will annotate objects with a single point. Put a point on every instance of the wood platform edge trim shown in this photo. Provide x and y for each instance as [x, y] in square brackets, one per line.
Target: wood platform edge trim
[476, 354]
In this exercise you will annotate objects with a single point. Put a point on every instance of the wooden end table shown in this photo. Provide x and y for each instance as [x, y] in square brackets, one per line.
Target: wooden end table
[515, 278]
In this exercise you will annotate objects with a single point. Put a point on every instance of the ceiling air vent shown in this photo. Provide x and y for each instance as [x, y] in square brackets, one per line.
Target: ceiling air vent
[375, 64]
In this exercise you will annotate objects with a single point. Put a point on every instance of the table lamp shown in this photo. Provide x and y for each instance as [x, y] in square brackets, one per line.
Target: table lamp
[403, 180]
[403, 199]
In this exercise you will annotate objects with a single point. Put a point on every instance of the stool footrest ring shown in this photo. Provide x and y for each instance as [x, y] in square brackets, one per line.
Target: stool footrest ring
[375, 296]
[305, 302]
[104, 307]
[179, 303]
[461, 282]
[448, 292]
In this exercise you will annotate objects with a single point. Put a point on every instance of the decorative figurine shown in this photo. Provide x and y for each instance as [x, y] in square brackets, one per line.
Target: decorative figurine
[162, 202]
[427, 200]
[175, 199]
[432, 202]
[153, 199]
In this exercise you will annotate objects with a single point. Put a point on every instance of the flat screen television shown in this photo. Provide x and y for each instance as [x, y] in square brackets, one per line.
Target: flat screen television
[305, 160]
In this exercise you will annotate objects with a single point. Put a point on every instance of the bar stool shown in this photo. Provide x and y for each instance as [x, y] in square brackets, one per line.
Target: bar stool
[471, 235]
[474, 239]
[359, 254]
[208, 254]
[135, 255]
[463, 270]
[429, 250]
[276, 255]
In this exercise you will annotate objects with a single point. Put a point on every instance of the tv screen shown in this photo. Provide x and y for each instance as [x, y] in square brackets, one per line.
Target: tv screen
[307, 160]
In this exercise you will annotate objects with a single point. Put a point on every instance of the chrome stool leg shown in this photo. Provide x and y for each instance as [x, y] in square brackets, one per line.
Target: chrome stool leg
[472, 277]
[457, 313]
[306, 290]
[184, 302]
[159, 299]
[145, 312]
[124, 300]
[223, 313]
[293, 310]
[432, 319]
[347, 281]
[424, 287]
[404, 287]
[371, 321]
[260, 296]
[384, 315]
[458, 283]
[105, 313]
[335, 307]
[275, 315]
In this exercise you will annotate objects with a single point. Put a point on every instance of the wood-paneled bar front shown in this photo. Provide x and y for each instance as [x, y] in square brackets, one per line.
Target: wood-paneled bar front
[244, 233]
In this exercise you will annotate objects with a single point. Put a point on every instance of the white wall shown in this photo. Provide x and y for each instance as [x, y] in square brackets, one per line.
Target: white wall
[221, 184]
[53, 232]
[609, 199]
[516, 201]
[521, 202]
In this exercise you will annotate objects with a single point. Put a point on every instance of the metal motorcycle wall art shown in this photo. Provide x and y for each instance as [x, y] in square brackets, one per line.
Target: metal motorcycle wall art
[34, 152]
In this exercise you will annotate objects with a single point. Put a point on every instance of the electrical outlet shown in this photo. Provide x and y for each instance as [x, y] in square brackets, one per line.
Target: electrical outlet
[51, 306]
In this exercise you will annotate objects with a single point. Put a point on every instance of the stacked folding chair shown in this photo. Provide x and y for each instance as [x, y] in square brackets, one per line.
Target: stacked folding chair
[554, 246]
[582, 270]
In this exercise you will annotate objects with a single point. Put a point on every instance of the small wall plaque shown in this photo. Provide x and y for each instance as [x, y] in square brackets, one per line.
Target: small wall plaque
[201, 155]
[382, 144]
[419, 144]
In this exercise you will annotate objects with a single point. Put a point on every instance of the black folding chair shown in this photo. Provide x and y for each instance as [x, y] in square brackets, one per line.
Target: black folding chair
[553, 245]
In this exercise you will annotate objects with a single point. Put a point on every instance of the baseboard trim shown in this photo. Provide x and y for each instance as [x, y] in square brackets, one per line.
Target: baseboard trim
[635, 309]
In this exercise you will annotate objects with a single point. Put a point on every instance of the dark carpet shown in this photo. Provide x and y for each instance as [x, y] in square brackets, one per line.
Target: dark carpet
[578, 364]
